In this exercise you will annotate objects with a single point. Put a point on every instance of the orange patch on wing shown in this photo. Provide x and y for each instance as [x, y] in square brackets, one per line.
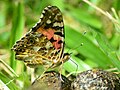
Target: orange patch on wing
[49, 33]
[56, 44]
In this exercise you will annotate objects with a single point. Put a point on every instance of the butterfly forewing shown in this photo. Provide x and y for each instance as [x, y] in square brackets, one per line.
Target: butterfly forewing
[44, 43]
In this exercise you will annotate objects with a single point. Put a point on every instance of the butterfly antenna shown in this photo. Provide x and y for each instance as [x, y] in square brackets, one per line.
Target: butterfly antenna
[74, 48]
[78, 45]
[71, 53]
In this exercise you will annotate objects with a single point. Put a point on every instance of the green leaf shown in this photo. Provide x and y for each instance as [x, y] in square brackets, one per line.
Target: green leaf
[10, 84]
[108, 50]
[17, 29]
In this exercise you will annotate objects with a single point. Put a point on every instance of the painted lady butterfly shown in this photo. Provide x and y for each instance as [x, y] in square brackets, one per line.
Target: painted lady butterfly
[44, 43]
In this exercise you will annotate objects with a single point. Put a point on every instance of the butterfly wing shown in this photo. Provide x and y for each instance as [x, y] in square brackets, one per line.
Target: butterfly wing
[44, 43]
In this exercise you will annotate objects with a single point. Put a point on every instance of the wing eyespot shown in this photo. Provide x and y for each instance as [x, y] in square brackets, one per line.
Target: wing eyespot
[31, 40]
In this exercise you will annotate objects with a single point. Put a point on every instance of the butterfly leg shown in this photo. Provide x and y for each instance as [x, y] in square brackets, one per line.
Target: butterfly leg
[60, 69]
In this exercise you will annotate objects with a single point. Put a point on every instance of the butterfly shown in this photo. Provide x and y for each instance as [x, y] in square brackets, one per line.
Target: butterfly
[44, 43]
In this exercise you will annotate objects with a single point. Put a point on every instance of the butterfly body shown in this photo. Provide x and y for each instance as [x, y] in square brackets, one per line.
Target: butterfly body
[44, 43]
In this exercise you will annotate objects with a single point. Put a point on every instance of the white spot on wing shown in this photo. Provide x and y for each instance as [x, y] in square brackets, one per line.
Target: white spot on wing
[61, 24]
[39, 20]
[58, 24]
[41, 16]
[49, 6]
[35, 25]
[36, 48]
[43, 11]
[46, 8]
[49, 16]
[59, 14]
[48, 45]
[48, 21]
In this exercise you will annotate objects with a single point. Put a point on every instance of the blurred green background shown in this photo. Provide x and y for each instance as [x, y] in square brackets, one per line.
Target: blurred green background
[91, 36]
